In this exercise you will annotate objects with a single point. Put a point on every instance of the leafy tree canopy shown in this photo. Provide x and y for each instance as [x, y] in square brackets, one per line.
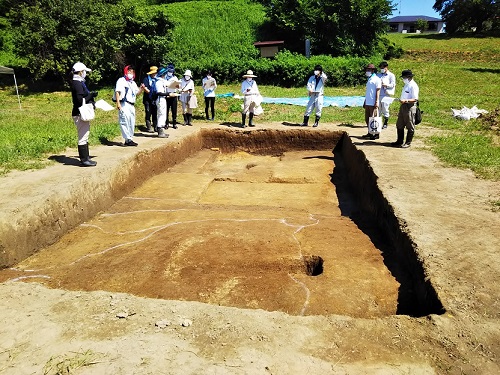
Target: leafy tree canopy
[104, 34]
[464, 15]
[335, 27]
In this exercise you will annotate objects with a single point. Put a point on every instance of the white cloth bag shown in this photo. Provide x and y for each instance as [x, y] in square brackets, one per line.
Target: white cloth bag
[87, 112]
[375, 123]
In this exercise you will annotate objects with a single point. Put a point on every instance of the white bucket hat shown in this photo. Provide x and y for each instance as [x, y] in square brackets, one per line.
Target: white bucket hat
[79, 67]
[188, 73]
[249, 74]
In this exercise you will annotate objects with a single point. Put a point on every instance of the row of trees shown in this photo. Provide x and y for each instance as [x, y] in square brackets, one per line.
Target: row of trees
[52, 34]
[466, 15]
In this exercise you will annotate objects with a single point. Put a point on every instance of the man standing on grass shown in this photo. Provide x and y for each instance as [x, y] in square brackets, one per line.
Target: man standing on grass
[126, 92]
[388, 88]
[372, 97]
[315, 89]
[406, 115]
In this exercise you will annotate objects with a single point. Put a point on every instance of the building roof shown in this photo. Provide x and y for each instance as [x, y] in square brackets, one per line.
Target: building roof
[269, 43]
[398, 19]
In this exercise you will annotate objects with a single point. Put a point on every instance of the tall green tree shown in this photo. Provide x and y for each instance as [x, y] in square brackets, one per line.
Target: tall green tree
[464, 15]
[335, 27]
[104, 34]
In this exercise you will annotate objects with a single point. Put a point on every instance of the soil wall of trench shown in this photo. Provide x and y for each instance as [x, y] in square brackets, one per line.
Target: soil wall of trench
[25, 232]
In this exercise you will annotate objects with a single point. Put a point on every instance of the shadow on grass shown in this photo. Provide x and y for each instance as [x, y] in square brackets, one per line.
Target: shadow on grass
[482, 70]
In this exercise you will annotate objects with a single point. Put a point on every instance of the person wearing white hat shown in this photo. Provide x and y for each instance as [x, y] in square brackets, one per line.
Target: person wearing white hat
[79, 92]
[315, 89]
[251, 93]
[187, 90]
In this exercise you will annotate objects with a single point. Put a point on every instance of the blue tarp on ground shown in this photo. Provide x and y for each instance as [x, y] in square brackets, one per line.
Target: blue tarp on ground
[329, 101]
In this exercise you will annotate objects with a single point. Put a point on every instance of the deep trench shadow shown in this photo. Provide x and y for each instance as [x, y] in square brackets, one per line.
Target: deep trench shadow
[349, 207]
[66, 160]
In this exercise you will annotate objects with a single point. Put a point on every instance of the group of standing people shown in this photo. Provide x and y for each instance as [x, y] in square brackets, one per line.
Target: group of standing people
[162, 90]
[380, 88]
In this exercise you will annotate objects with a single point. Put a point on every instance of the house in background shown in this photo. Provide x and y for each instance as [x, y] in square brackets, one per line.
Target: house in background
[407, 24]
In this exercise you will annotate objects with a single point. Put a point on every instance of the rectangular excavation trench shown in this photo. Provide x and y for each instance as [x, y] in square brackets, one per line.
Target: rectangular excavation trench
[291, 221]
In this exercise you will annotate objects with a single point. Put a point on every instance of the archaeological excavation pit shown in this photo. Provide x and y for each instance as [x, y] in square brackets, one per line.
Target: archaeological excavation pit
[263, 219]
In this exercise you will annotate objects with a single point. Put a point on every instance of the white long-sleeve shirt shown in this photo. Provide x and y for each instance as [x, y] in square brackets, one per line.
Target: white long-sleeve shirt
[317, 85]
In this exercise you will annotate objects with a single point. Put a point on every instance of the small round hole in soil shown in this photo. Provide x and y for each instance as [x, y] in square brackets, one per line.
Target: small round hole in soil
[313, 265]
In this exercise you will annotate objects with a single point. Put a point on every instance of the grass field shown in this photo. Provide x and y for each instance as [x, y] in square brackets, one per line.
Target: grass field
[451, 73]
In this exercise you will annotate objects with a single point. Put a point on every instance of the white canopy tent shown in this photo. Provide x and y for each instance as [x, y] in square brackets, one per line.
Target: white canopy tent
[5, 70]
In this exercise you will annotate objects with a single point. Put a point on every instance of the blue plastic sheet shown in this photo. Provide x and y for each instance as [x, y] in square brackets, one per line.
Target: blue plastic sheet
[328, 101]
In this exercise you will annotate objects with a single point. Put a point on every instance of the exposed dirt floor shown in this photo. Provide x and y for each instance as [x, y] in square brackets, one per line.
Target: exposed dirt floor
[237, 263]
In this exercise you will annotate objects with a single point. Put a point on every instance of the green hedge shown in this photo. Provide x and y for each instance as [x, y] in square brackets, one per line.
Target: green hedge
[286, 69]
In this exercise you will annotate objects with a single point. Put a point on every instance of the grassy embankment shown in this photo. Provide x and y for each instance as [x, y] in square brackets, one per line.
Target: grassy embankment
[451, 73]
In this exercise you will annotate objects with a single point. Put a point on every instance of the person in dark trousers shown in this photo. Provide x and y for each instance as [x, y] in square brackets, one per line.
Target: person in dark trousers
[407, 110]
[315, 90]
[172, 83]
[209, 85]
[150, 104]
[79, 92]
[372, 97]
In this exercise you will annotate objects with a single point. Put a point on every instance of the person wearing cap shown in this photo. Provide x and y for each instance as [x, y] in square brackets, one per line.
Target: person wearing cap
[209, 85]
[372, 96]
[126, 92]
[251, 95]
[187, 90]
[388, 89]
[79, 92]
[315, 88]
[172, 84]
[406, 115]
[148, 101]
[161, 103]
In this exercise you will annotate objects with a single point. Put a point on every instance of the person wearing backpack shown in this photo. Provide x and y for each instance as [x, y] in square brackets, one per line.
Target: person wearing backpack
[149, 99]
[126, 92]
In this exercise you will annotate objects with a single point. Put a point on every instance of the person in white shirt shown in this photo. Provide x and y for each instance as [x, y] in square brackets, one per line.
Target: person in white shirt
[126, 92]
[388, 88]
[172, 83]
[406, 115]
[372, 97]
[209, 85]
[161, 103]
[187, 90]
[251, 94]
[315, 89]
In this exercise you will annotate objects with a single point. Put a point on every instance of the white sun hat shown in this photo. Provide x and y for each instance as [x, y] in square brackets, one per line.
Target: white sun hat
[188, 73]
[249, 74]
[79, 67]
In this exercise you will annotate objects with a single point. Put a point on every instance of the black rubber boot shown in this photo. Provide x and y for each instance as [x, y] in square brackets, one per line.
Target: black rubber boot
[83, 153]
[185, 118]
[174, 124]
[386, 119]
[306, 121]
[316, 122]
[250, 120]
[189, 118]
[409, 138]
[243, 119]
[401, 135]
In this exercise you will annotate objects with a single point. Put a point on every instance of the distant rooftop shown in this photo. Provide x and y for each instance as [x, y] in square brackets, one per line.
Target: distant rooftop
[398, 19]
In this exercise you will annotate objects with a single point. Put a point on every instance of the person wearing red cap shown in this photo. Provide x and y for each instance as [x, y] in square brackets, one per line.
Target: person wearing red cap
[126, 92]
[79, 92]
